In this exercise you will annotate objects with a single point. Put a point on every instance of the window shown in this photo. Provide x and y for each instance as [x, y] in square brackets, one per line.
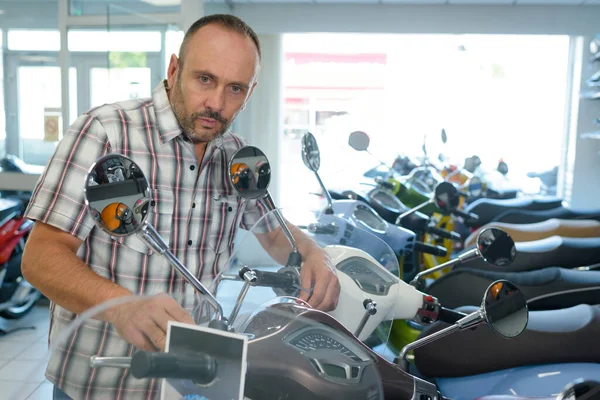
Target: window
[33, 40]
[481, 89]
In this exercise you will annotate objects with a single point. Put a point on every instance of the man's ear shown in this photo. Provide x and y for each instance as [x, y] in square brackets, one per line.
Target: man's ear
[173, 70]
[249, 95]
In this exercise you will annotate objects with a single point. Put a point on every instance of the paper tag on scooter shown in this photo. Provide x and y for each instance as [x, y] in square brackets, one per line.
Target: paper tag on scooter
[229, 351]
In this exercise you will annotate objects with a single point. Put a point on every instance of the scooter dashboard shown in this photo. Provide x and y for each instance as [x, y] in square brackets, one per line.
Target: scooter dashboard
[368, 217]
[367, 275]
[333, 356]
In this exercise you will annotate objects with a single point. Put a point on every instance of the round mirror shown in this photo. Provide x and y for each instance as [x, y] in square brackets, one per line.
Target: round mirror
[310, 152]
[117, 195]
[250, 172]
[446, 197]
[475, 186]
[444, 136]
[505, 308]
[579, 390]
[595, 46]
[359, 141]
[496, 246]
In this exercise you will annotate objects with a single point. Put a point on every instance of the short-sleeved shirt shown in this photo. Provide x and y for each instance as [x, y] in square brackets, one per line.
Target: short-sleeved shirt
[195, 210]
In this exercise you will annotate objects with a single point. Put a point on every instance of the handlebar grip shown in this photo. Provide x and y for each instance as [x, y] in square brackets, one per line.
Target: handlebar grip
[450, 316]
[430, 249]
[321, 229]
[386, 185]
[465, 216]
[275, 280]
[444, 233]
[200, 367]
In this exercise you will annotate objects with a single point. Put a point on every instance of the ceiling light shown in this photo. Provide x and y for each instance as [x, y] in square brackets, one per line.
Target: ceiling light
[162, 3]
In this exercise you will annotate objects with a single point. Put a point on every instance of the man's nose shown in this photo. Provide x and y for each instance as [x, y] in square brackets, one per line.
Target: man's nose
[216, 100]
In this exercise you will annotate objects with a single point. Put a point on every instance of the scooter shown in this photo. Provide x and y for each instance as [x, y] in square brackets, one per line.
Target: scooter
[294, 352]
[363, 217]
[17, 296]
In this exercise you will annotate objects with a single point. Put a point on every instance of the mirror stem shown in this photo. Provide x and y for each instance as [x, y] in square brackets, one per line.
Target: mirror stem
[401, 358]
[469, 255]
[154, 240]
[470, 321]
[329, 209]
[284, 227]
[412, 210]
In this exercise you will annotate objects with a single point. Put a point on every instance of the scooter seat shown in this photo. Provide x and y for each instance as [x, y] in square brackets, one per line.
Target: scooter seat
[464, 286]
[487, 209]
[542, 230]
[511, 397]
[529, 217]
[556, 336]
[554, 251]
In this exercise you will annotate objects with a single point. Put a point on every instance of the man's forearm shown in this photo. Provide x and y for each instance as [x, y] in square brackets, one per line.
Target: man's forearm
[65, 279]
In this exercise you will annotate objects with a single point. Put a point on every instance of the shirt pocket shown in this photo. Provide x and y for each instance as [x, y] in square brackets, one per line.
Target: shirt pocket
[160, 216]
[225, 213]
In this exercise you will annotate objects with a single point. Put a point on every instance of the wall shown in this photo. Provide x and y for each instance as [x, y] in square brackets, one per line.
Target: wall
[279, 18]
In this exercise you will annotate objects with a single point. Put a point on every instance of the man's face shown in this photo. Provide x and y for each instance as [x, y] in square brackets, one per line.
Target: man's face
[215, 81]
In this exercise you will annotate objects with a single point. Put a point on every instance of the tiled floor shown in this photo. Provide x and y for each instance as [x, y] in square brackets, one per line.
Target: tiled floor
[23, 358]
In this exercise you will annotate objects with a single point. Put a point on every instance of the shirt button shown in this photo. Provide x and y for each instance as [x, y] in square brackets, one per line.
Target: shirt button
[193, 205]
[190, 242]
[192, 167]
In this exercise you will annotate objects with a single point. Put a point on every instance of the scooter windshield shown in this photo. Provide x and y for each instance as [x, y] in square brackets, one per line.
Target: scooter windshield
[284, 351]
[273, 342]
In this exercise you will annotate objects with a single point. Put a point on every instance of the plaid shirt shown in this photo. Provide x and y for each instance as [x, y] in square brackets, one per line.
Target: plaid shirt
[195, 210]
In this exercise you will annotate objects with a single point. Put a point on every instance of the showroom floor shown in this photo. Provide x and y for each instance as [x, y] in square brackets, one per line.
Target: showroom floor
[23, 357]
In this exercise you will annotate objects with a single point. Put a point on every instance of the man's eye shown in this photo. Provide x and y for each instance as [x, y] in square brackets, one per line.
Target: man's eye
[204, 79]
[236, 89]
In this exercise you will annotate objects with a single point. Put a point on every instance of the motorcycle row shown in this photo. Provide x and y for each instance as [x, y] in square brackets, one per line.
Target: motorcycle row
[445, 293]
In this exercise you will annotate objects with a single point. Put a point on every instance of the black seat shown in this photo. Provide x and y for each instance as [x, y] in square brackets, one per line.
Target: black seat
[529, 217]
[488, 209]
[554, 251]
[557, 336]
[464, 286]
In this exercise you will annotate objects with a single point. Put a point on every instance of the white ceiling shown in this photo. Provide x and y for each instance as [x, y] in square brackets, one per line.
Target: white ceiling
[432, 2]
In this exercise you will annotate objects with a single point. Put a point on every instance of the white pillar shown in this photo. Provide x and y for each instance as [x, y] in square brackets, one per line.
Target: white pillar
[583, 154]
[190, 10]
[261, 123]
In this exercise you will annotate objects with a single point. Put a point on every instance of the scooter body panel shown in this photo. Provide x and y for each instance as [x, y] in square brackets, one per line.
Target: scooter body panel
[538, 380]
[364, 217]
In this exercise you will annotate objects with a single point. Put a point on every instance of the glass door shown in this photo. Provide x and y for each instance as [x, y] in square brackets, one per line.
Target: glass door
[34, 106]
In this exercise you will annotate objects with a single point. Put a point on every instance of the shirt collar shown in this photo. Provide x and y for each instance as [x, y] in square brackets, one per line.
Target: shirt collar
[168, 125]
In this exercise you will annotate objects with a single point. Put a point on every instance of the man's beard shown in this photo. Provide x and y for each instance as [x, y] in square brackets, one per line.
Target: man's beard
[187, 122]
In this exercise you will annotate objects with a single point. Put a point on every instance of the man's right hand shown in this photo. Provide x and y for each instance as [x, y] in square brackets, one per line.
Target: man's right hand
[143, 323]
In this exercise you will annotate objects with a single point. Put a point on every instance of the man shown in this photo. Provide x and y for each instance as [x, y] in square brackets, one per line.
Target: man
[180, 139]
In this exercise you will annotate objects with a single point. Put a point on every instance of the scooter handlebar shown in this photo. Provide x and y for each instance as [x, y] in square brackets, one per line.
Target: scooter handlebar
[438, 251]
[450, 316]
[467, 217]
[200, 367]
[444, 233]
[276, 280]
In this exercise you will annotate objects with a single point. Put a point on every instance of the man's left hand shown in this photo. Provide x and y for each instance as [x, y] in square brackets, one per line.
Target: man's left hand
[318, 271]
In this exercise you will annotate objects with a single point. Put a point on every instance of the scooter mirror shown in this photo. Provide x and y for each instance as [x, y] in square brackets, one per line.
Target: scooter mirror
[505, 309]
[475, 186]
[496, 247]
[310, 152]
[117, 195]
[359, 141]
[446, 197]
[250, 172]
[444, 136]
[580, 390]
